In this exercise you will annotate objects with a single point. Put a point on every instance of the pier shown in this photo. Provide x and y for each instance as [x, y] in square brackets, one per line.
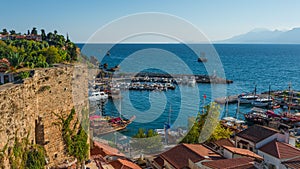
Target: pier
[234, 98]
[177, 78]
[230, 99]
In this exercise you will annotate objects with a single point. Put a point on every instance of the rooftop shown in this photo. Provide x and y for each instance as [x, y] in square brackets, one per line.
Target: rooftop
[234, 163]
[293, 163]
[124, 164]
[105, 150]
[257, 133]
[243, 152]
[179, 155]
[280, 150]
[224, 142]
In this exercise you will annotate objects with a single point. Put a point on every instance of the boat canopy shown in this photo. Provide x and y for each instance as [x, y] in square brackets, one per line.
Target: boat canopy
[95, 117]
[257, 109]
[229, 119]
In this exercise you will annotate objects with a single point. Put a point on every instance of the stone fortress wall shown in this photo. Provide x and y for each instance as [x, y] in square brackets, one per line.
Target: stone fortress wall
[29, 107]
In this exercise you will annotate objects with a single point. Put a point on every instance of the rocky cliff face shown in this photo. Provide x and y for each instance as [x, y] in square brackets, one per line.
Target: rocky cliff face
[29, 107]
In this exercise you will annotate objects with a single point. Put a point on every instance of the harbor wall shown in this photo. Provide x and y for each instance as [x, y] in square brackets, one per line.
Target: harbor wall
[29, 108]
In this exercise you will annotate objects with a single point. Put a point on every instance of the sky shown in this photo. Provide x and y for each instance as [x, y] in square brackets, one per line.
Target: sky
[217, 19]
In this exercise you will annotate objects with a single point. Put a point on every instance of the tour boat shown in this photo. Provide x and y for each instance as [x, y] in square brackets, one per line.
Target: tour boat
[102, 125]
[257, 116]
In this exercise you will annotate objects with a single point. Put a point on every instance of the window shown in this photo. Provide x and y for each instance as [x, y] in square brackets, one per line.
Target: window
[6, 78]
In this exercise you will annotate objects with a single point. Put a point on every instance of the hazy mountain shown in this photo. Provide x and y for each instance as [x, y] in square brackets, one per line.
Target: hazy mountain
[266, 36]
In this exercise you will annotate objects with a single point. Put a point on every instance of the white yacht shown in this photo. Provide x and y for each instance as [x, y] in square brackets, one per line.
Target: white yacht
[262, 102]
[248, 99]
[95, 96]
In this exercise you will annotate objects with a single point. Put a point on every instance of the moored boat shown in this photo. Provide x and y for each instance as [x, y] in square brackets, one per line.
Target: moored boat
[233, 124]
[247, 99]
[257, 116]
[95, 96]
[102, 125]
[202, 59]
[262, 102]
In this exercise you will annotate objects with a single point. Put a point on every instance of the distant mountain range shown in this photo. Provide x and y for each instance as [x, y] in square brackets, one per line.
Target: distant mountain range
[267, 36]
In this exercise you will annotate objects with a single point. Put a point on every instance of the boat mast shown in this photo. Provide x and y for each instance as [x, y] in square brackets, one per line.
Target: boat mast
[226, 108]
[269, 91]
[120, 112]
[169, 119]
[204, 97]
[167, 125]
[290, 98]
[238, 109]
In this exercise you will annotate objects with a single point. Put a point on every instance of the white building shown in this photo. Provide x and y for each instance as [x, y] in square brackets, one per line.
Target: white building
[257, 136]
[280, 155]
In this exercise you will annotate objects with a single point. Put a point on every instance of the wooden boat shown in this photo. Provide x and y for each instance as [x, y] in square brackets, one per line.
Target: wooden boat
[233, 124]
[106, 125]
[113, 69]
[257, 116]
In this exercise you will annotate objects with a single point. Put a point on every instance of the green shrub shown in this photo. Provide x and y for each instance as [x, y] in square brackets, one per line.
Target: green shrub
[76, 140]
[24, 75]
[44, 88]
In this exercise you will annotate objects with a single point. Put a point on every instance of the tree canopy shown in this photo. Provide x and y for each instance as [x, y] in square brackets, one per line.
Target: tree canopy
[53, 48]
[146, 142]
[206, 127]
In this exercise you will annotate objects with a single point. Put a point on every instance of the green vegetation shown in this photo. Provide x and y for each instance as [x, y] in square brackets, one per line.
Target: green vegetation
[75, 138]
[44, 88]
[297, 144]
[147, 142]
[24, 75]
[24, 155]
[2, 155]
[207, 127]
[31, 51]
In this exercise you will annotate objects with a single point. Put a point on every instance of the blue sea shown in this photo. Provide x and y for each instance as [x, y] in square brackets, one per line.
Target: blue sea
[248, 65]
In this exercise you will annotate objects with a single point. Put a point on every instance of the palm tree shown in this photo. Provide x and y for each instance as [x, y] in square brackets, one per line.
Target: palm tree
[16, 61]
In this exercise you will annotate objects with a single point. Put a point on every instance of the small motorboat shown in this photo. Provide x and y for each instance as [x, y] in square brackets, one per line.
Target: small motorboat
[202, 59]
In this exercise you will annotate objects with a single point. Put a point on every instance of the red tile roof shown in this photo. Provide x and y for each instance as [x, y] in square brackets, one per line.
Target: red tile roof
[4, 65]
[243, 152]
[159, 161]
[124, 164]
[104, 150]
[179, 155]
[234, 163]
[293, 163]
[224, 142]
[280, 150]
[257, 133]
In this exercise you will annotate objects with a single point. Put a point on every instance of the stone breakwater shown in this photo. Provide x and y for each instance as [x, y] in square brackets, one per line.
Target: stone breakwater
[29, 107]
